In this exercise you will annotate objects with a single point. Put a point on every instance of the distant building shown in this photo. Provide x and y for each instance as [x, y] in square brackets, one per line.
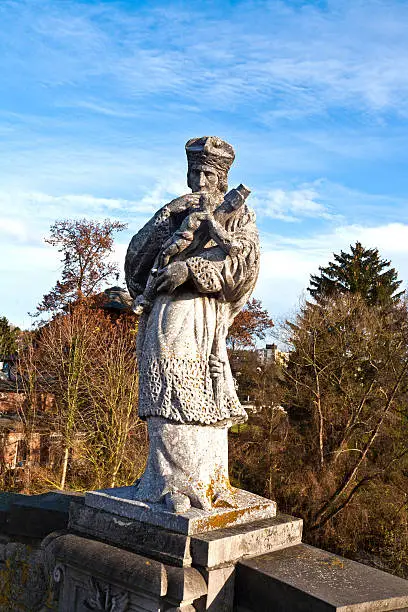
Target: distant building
[15, 451]
[271, 354]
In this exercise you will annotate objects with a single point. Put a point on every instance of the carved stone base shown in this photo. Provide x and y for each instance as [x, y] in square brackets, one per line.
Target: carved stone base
[115, 564]
[92, 575]
[120, 501]
[213, 554]
[210, 549]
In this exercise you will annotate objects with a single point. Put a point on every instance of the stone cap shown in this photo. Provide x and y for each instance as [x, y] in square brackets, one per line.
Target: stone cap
[35, 516]
[210, 150]
[302, 577]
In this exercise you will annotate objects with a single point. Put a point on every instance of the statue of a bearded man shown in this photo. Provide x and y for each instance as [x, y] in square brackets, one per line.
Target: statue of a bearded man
[190, 270]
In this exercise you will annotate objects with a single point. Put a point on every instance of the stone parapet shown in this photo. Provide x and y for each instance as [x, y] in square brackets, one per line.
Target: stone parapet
[24, 572]
[302, 578]
[31, 517]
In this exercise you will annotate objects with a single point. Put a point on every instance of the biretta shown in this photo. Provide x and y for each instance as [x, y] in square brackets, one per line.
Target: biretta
[211, 151]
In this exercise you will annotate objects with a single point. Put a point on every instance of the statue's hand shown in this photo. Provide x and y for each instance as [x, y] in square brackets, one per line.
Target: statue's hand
[216, 366]
[172, 276]
[183, 202]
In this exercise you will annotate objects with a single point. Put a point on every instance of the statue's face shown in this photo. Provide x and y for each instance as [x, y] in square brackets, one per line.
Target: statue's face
[203, 179]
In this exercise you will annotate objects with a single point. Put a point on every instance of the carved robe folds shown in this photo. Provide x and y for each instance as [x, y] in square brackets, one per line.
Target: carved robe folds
[176, 337]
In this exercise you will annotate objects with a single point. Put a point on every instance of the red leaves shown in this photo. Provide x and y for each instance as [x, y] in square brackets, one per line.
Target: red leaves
[250, 325]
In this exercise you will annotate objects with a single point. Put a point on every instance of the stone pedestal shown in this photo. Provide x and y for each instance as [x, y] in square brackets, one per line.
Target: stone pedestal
[245, 507]
[119, 559]
[92, 575]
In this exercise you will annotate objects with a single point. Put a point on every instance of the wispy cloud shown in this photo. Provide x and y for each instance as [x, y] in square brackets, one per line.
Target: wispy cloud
[333, 202]
[109, 110]
[28, 215]
[13, 229]
[292, 205]
[304, 59]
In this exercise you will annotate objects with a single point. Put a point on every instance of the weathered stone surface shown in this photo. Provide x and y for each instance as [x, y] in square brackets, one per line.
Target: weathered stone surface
[220, 585]
[161, 544]
[214, 553]
[189, 460]
[34, 516]
[223, 546]
[95, 575]
[305, 579]
[248, 507]
[190, 270]
[208, 550]
[23, 577]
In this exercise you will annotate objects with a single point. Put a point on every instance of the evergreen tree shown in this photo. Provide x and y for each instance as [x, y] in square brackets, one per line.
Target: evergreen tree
[363, 272]
[8, 337]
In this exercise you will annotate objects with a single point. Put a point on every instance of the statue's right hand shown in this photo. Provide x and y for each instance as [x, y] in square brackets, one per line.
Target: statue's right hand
[183, 202]
[216, 366]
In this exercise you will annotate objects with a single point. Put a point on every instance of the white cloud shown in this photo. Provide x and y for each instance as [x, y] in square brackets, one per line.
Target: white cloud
[323, 199]
[29, 268]
[27, 273]
[291, 205]
[110, 110]
[161, 193]
[12, 228]
[16, 207]
[391, 238]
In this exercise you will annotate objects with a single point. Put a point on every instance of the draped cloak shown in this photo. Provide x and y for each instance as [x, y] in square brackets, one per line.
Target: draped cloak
[176, 338]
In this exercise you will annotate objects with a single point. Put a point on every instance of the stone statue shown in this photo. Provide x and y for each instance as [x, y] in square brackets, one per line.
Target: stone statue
[190, 270]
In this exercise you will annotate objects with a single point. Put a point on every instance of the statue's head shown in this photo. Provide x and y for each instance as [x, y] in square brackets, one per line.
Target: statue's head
[209, 160]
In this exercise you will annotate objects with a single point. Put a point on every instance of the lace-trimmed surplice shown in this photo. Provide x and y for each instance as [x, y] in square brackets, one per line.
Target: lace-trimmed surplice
[175, 338]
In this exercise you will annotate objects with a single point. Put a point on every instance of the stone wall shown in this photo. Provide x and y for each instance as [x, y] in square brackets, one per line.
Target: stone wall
[26, 583]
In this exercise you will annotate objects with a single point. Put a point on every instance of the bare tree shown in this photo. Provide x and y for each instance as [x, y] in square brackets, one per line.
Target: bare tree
[114, 429]
[86, 362]
[65, 347]
[346, 388]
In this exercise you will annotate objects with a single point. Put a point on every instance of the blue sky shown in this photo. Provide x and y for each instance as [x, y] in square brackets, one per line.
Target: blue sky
[97, 99]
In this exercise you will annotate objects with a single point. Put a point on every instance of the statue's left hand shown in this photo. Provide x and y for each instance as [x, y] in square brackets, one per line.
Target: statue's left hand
[172, 276]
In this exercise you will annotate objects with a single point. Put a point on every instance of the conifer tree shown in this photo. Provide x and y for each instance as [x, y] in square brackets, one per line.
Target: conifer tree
[8, 337]
[361, 272]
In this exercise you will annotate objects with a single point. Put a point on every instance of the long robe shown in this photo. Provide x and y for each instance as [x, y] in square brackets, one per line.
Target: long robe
[177, 336]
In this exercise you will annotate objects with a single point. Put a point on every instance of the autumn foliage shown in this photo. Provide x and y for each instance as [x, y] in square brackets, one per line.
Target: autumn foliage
[250, 325]
[85, 247]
